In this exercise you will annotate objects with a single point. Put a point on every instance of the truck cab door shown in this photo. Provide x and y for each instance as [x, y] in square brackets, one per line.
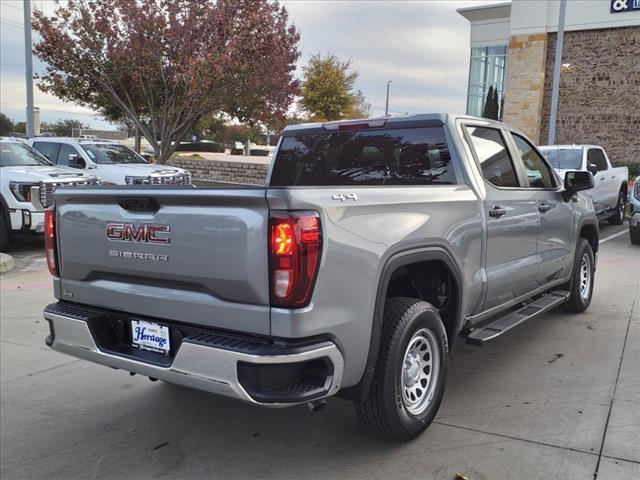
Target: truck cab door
[512, 219]
[603, 185]
[555, 235]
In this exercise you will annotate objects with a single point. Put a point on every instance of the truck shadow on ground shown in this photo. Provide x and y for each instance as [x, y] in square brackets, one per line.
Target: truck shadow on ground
[220, 428]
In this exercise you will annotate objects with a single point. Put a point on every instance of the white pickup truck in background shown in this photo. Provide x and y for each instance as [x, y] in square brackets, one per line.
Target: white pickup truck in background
[112, 162]
[27, 183]
[611, 184]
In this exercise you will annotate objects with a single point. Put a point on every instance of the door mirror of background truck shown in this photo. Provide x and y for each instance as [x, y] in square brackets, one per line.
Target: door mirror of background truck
[76, 161]
[577, 181]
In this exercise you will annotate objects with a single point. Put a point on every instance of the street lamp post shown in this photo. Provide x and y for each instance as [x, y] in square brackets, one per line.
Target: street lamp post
[553, 117]
[28, 67]
[386, 105]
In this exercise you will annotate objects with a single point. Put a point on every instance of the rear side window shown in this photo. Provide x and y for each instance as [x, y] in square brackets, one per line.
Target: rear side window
[495, 161]
[48, 149]
[563, 158]
[596, 156]
[409, 156]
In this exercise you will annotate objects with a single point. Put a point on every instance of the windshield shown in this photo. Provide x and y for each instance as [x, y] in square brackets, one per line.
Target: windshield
[19, 155]
[111, 153]
[563, 158]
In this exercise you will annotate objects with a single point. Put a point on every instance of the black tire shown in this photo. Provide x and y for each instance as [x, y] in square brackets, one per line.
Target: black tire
[618, 217]
[6, 240]
[580, 298]
[384, 411]
[634, 234]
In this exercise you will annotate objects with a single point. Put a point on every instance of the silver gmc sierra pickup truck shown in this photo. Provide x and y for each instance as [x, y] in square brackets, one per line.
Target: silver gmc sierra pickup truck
[374, 247]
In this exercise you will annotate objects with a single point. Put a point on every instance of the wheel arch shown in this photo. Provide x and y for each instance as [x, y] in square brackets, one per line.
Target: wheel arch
[4, 210]
[624, 187]
[590, 232]
[394, 262]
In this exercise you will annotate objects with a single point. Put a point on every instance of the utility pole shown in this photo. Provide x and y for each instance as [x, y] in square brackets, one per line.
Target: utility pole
[553, 117]
[386, 105]
[28, 67]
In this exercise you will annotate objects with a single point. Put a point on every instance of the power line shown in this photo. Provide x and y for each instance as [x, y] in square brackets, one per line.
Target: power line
[5, 4]
[12, 24]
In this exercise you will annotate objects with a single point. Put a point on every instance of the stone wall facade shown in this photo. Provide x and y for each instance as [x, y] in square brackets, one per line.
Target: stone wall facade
[525, 83]
[224, 171]
[599, 96]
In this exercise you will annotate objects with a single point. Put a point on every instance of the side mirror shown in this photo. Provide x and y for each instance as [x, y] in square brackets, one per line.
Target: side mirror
[593, 168]
[76, 161]
[576, 181]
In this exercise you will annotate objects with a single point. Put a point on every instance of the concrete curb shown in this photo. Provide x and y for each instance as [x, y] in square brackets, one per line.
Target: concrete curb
[7, 263]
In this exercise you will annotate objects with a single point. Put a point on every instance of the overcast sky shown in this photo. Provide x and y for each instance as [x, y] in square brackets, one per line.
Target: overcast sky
[422, 46]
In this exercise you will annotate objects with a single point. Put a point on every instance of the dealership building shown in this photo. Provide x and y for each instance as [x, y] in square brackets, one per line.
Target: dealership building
[512, 59]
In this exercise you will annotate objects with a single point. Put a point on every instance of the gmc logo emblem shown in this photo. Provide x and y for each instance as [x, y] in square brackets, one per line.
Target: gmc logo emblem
[127, 232]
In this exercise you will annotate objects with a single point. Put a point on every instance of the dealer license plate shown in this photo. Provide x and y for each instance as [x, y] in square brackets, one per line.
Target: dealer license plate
[150, 336]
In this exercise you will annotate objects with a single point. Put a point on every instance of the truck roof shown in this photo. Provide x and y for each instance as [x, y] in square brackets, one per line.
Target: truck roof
[399, 121]
[72, 139]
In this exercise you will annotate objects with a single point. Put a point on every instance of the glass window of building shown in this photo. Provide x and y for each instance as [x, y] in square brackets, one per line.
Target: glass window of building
[486, 82]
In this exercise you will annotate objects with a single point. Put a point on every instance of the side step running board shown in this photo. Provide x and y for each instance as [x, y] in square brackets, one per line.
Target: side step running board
[481, 335]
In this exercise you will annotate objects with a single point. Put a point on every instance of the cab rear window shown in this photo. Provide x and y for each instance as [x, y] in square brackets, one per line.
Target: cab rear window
[408, 156]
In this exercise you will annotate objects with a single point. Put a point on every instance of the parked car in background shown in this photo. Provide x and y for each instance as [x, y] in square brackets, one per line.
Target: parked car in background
[27, 183]
[375, 245]
[611, 183]
[634, 220]
[112, 162]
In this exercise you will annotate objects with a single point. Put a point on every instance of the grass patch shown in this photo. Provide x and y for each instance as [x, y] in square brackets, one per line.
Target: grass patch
[193, 156]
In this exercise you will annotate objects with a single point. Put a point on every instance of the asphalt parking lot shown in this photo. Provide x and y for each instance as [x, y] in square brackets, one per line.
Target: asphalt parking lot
[559, 397]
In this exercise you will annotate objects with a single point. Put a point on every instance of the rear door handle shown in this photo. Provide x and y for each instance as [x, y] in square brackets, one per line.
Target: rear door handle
[544, 207]
[497, 211]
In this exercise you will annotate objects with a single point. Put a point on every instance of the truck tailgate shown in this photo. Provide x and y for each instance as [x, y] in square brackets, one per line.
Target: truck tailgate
[197, 256]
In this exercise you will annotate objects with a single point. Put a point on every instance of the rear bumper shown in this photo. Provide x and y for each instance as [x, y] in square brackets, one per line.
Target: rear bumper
[257, 372]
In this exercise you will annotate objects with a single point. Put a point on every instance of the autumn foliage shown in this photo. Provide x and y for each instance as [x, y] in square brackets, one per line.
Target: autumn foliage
[164, 64]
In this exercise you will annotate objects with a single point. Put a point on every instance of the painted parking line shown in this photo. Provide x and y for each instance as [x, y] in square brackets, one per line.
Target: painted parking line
[615, 235]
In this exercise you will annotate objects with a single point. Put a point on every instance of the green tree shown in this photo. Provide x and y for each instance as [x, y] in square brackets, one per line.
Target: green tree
[326, 88]
[20, 127]
[210, 127]
[6, 125]
[242, 133]
[360, 108]
[62, 128]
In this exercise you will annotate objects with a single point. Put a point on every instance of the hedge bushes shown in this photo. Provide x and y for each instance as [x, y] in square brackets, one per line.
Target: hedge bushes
[201, 147]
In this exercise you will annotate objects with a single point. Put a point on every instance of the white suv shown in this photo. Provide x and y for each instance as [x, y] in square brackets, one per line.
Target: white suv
[27, 183]
[110, 161]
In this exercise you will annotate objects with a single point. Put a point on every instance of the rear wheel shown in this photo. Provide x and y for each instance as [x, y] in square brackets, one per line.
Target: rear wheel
[634, 233]
[582, 279]
[6, 240]
[618, 217]
[410, 375]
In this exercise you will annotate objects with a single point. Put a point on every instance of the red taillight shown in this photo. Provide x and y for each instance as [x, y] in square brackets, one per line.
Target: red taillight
[295, 245]
[50, 239]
